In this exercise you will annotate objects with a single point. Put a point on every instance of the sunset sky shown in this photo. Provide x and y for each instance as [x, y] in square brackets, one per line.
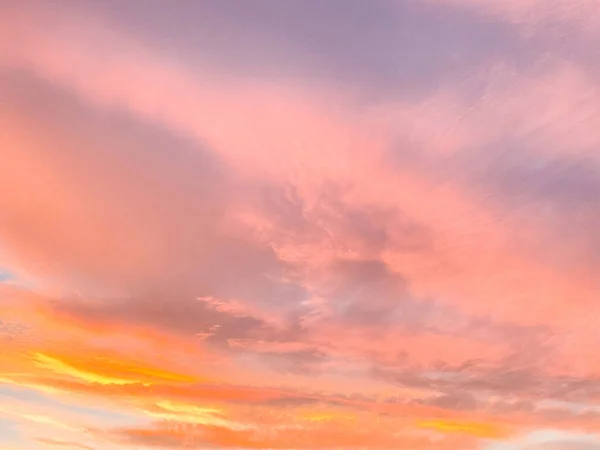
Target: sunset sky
[299, 224]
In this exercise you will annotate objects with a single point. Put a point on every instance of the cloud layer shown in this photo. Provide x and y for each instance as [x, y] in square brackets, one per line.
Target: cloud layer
[291, 224]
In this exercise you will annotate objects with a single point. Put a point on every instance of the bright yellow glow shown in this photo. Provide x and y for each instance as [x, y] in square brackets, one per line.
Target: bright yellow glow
[189, 413]
[21, 381]
[146, 371]
[60, 367]
[472, 428]
[39, 419]
[328, 417]
[44, 420]
[187, 408]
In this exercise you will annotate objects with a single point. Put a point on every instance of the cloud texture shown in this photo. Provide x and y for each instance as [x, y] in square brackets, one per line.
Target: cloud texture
[299, 224]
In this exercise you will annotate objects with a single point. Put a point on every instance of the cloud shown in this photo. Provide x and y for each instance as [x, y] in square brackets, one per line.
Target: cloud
[537, 12]
[57, 443]
[304, 213]
[136, 221]
[373, 49]
[290, 438]
[550, 440]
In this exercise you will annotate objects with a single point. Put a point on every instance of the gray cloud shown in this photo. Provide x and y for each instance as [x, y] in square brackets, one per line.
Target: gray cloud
[518, 385]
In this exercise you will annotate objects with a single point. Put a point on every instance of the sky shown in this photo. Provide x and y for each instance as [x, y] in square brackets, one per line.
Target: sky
[299, 224]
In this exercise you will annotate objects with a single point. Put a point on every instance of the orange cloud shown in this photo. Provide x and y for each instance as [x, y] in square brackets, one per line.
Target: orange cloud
[297, 438]
[483, 430]
[106, 371]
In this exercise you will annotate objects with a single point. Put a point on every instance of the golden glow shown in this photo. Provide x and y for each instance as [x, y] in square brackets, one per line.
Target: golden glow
[187, 408]
[483, 430]
[106, 371]
[152, 373]
[190, 413]
[62, 368]
[39, 419]
[327, 417]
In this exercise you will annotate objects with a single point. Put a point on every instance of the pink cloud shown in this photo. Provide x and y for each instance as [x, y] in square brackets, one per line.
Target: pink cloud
[283, 233]
[534, 13]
